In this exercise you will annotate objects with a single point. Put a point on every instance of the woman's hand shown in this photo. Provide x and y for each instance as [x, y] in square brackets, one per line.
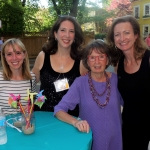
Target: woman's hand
[82, 125]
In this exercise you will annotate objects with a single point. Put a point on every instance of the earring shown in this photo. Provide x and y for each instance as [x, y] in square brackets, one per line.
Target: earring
[116, 48]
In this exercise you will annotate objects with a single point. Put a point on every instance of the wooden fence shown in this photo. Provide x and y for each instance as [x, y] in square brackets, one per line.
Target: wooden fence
[34, 44]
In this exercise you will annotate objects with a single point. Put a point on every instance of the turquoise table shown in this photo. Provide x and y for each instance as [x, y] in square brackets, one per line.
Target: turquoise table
[50, 134]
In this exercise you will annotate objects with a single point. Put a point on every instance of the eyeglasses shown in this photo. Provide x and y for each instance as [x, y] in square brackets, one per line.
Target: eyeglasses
[62, 16]
[100, 57]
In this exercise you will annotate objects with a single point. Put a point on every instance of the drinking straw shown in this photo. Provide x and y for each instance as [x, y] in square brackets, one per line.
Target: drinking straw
[30, 106]
[31, 95]
[29, 117]
[31, 110]
[21, 108]
[29, 103]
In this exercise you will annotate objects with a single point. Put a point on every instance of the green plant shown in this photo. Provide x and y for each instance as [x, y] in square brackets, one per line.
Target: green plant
[100, 36]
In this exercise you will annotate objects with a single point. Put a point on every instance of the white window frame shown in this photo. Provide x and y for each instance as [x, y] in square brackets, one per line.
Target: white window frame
[137, 7]
[145, 34]
[148, 13]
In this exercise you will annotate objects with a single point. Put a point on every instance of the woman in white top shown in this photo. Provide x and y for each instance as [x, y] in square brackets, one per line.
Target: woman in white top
[15, 77]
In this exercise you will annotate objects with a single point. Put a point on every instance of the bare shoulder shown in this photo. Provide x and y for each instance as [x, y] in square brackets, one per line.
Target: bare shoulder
[41, 55]
[39, 62]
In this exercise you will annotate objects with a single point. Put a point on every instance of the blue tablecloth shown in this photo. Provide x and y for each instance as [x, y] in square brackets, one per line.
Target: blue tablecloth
[50, 134]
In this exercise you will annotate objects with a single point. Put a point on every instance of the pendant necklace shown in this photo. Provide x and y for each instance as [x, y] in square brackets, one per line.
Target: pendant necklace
[61, 84]
[63, 63]
[61, 67]
[95, 93]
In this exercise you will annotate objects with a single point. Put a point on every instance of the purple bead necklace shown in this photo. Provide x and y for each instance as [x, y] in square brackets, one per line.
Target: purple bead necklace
[94, 92]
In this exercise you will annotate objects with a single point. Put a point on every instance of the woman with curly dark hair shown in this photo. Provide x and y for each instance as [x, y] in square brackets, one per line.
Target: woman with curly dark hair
[58, 64]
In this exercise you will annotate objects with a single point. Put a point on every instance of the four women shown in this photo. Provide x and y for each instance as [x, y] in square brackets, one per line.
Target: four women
[59, 64]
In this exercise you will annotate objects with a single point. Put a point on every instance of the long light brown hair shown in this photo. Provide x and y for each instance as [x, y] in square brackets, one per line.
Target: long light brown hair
[7, 73]
[139, 44]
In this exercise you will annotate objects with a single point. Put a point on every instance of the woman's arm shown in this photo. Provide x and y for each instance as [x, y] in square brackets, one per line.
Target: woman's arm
[81, 125]
[38, 65]
[69, 101]
[83, 70]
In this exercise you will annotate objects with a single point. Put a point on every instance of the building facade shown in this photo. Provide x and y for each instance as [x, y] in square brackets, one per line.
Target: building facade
[141, 11]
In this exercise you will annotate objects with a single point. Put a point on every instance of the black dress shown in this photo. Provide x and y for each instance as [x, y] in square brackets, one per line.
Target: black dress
[135, 91]
[47, 77]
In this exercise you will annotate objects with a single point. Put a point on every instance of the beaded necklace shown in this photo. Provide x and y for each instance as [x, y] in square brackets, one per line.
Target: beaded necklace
[94, 92]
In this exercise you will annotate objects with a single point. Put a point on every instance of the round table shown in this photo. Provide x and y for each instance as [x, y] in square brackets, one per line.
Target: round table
[50, 134]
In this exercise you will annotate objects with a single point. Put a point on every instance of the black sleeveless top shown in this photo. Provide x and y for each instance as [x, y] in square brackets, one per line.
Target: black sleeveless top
[48, 76]
[135, 91]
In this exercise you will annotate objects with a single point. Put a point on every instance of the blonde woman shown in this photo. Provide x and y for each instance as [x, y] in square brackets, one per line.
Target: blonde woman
[15, 77]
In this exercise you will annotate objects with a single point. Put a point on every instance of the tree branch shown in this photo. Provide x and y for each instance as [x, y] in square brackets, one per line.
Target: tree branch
[56, 8]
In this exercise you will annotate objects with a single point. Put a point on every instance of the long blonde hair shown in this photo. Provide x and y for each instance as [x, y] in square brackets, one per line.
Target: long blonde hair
[7, 73]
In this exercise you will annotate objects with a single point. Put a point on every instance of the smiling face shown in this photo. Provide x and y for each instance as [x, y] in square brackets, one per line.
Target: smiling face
[14, 56]
[97, 62]
[65, 34]
[124, 36]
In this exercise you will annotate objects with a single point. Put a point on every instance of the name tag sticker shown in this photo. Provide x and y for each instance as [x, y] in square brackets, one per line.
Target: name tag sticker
[61, 85]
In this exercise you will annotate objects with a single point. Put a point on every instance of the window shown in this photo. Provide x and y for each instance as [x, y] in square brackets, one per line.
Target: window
[147, 9]
[137, 12]
[145, 30]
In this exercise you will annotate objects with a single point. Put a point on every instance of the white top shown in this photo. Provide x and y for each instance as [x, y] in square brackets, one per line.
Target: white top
[14, 87]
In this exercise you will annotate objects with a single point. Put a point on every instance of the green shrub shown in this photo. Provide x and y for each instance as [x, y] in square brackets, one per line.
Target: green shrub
[100, 36]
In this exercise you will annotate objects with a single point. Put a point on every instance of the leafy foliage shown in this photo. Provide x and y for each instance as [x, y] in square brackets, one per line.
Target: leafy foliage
[21, 16]
[18, 17]
[100, 36]
[31, 23]
[11, 15]
[121, 7]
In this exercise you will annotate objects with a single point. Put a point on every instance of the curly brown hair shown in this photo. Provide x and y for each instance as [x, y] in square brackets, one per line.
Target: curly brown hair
[76, 47]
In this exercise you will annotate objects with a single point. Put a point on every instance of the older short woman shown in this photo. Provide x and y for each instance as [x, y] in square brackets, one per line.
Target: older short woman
[98, 98]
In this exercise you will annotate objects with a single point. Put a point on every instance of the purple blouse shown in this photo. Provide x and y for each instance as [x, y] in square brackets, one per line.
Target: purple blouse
[105, 123]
